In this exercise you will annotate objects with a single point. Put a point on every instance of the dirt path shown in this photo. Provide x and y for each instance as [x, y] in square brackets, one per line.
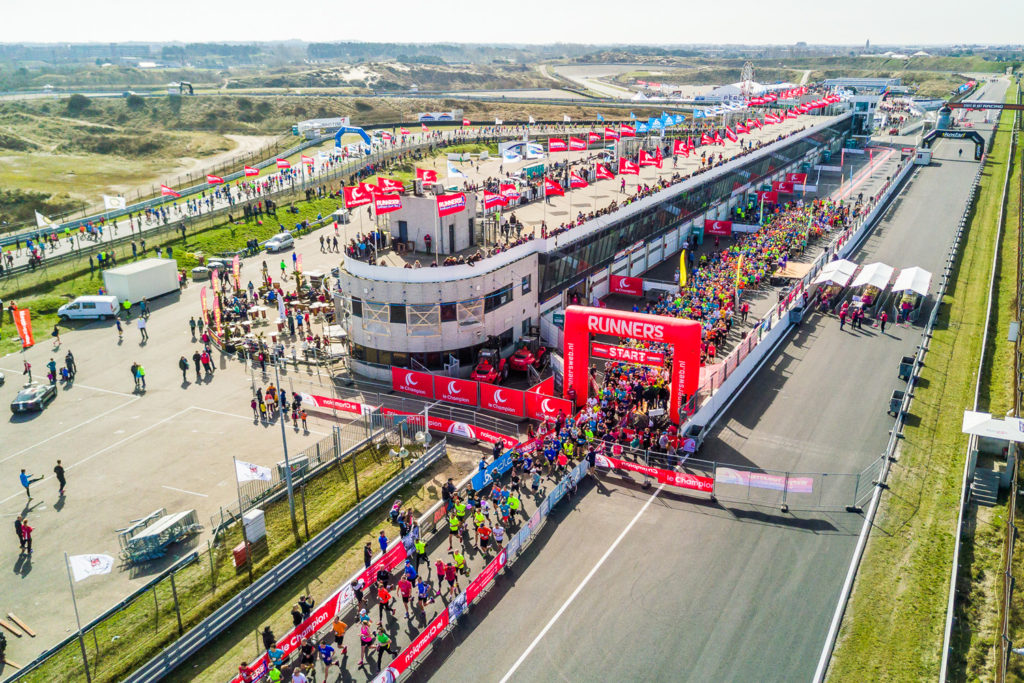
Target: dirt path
[244, 144]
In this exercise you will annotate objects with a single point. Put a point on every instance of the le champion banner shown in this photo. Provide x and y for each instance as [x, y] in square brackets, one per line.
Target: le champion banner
[683, 480]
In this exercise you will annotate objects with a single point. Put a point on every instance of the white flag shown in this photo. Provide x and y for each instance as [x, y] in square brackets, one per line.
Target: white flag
[532, 121]
[84, 566]
[280, 308]
[114, 202]
[498, 121]
[565, 118]
[246, 471]
[42, 221]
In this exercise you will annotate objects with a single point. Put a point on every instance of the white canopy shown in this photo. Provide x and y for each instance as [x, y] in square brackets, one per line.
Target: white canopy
[836, 272]
[983, 424]
[874, 274]
[914, 279]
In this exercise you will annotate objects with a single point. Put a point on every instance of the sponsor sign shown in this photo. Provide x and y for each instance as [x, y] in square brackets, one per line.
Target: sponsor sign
[457, 607]
[620, 284]
[447, 204]
[717, 227]
[23, 324]
[540, 407]
[798, 178]
[412, 382]
[546, 387]
[767, 196]
[502, 400]
[555, 145]
[683, 480]
[332, 403]
[785, 187]
[461, 391]
[477, 585]
[625, 354]
[394, 556]
[763, 480]
[387, 203]
[420, 643]
[440, 424]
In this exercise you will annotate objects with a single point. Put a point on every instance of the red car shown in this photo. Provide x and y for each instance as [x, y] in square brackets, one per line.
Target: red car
[490, 367]
[530, 353]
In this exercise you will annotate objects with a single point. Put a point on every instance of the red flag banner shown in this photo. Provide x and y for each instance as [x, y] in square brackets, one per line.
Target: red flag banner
[610, 134]
[492, 200]
[706, 139]
[768, 196]
[679, 147]
[465, 121]
[390, 185]
[283, 163]
[627, 131]
[386, 203]
[168, 192]
[576, 180]
[784, 187]
[214, 179]
[593, 136]
[447, 204]
[509, 191]
[556, 145]
[356, 196]
[251, 171]
[627, 167]
[798, 178]
[577, 144]
[307, 160]
[23, 323]
[427, 175]
[601, 172]
[552, 188]
[647, 160]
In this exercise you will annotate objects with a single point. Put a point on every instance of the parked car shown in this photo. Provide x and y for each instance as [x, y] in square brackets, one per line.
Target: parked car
[34, 397]
[279, 242]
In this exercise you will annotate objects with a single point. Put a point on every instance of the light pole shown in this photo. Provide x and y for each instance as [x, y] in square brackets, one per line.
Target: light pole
[284, 445]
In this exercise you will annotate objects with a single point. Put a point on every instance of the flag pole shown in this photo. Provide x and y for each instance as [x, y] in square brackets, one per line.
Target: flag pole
[74, 603]
[241, 516]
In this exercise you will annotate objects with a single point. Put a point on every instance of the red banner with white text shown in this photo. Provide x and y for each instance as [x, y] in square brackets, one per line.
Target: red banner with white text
[23, 323]
[461, 391]
[540, 407]
[511, 402]
[683, 480]
[466, 431]
[332, 403]
[411, 382]
[625, 354]
[620, 284]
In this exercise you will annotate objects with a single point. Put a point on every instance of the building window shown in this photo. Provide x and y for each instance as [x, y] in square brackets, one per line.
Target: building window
[357, 307]
[424, 320]
[397, 314]
[498, 298]
[448, 314]
[375, 320]
[527, 283]
[470, 312]
[526, 326]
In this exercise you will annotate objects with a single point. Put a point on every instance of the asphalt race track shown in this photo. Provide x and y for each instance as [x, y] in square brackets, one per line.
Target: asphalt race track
[681, 589]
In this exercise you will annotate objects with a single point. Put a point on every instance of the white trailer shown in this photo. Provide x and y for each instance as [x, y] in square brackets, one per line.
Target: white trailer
[145, 279]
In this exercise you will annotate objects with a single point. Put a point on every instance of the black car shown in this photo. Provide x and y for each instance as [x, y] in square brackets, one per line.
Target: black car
[33, 397]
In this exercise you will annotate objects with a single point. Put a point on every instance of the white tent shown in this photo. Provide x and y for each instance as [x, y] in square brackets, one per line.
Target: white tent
[836, 273]
[914, 279]
[874, 274]
[983, 424]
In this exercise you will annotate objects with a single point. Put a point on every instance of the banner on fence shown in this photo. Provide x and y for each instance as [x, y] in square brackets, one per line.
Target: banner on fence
[764, 480]
[333, 403]
[620, 284]
[466, 431]
[411, 382]
[546, 387]
[683, 480]
[477, 585]
[421, 643]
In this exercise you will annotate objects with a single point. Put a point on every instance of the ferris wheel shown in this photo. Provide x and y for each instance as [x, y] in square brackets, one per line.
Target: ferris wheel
[747, 80]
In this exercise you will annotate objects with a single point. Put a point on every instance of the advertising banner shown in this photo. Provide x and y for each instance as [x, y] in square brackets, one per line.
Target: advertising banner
[206, 306]
[799, 178]
[447, 204]
[784, 187]
[332, 403]
[625, 354]
[394, 556]
[461, 391]
[768, 196]
[763, 480]
[23, 323]
[555, 145]
[620, 284]
[236, 271]
[540, 407]
[682, 480]
[510, 402]
[546, 387]
[420, 643]
[386, 203]
[484, 578]
[466, 431]
[717, 227]
[411, 382]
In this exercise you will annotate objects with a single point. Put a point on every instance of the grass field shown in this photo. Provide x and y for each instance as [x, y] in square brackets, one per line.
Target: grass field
[893, 627]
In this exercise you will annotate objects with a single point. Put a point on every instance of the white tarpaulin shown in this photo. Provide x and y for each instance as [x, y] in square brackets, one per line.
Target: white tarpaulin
[836, 272]
[983, 424]
[874, 274]
[914, 279]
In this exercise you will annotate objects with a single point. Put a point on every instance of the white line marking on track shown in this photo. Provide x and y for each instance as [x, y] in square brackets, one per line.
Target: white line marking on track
[580, 587]
[247, 418]
[193, 493]
[109, 447]
[106, 391]
[69, 429]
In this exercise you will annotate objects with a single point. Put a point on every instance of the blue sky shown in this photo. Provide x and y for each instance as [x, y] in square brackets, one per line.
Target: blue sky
[526, 21]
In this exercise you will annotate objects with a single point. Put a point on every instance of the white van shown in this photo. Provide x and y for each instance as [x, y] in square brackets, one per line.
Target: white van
[89, 307]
